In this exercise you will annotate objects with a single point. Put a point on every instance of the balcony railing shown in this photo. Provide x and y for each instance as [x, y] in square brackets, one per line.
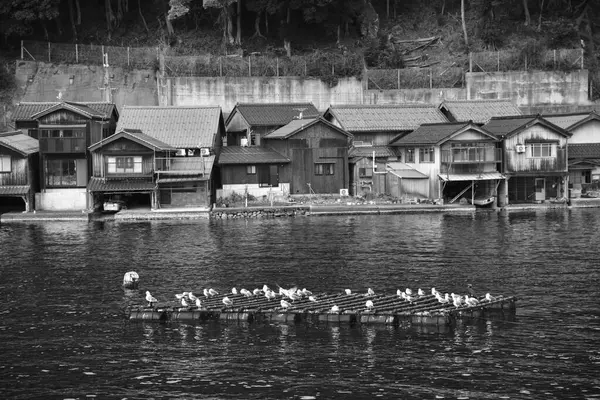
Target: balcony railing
[181, 165]
[471, 155]
[62, 145]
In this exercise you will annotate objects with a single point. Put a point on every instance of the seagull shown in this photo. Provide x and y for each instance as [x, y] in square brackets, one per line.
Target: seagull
[408, 291]
[265, 288]
[306, 292]
[285, 305]
[369, 305]
[471, 301]
[420, 292]
[435, 292]
[348, 291]
[370, 292]
[227, 301]
[269, 294]
[206, 293]
[335, 309]
[399, 293]
[234, 291]
[184, 303]
[489, 297]
[256, 292]
[212, 292]
[150, 299]
[191, 296]
[198, 303]
[312, 298]
[246, 292]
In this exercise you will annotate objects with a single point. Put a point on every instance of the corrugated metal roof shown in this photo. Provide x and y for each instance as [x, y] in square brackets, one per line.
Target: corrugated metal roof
[180, 127]
[430, 133]
[25, 110]
[135, 135]
[273, 114]
[485, 176]
[405, 171]
[480, 111]
[14, 190]
[250, 155]
[110, 185]
[584, 150]
[367, 151]
[19, 142]
[374, 118]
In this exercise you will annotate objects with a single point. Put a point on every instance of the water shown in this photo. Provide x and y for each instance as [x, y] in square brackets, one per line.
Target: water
[63, 332]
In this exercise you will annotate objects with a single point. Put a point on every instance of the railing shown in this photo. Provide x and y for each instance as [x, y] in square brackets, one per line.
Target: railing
[181, 165]
[62, 145]
[471, 155]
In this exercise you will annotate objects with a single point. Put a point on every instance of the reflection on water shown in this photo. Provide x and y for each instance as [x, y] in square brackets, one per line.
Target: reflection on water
[64, 335]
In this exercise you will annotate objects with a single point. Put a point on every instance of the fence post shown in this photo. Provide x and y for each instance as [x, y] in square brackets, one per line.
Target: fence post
[498, 59]
[305, 69]
[554, 51]
[21, 49]
[220, 66]
[398, 78]
[49, 59]
[277, 60]
[332, 69]
[582, 57]
[525, 62]
[249, 66]
[470, 62]
[430, 78]
[103, 59]
[76, 53]
[128, 56]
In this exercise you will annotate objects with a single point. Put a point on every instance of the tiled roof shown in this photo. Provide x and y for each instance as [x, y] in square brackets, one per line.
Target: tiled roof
[110, 185]
[502, 126]
[250, 155]
[429, 134]
[14, 190]
[367, 151]
[19, 142]
[25, 110]
[273, 114]
[584, 150]
[480, 111]
[180, 127]
[135, 135]
[570, 121]
[376, 118]
[76, 107]
[298, 125]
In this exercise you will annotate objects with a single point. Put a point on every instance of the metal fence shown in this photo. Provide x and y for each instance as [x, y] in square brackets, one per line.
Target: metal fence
[526, 60]
[73, 53]
[415, 78]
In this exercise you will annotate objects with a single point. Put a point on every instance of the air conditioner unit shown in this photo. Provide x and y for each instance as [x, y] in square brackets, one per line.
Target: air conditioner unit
[244, 142]
[180, 152]
[344, 192]
[205, 152]
[520, 148]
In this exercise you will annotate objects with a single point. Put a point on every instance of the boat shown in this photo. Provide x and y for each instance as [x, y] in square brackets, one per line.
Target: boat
[482, 201]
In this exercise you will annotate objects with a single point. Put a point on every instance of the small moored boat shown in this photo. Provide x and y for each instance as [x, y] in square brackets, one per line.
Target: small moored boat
[482, 201]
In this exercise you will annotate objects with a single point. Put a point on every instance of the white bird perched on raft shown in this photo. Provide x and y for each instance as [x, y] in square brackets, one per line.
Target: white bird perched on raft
[246, 292]
[256, 292]
[198, 303]
[269, 294]
[370, 292]
[212, 292]
[234, 291]
[151, 300]
[285, 305]
[181, 295]
[471, 301]
[206, 294]
[369, 305]
[184, 303]
[420, 292]
[335, 309]
[408, 291]
[348, 291]
[489, 297]
[265, 288]
[435, 292]
[191, 296]
[399, 293]
[312, 298]
[227, 301]
[306, 292]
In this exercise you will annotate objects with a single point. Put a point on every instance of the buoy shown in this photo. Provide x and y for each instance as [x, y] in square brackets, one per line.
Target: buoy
[131, 280]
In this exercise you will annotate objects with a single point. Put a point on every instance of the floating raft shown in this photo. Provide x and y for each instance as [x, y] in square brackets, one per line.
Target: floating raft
[388, 309]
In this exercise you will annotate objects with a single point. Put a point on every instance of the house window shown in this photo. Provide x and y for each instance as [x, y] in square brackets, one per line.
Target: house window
[426, 155]
[124, 165]
[541, 150]
[410, 155]
[4, 163]
[62, 133]
[324, 169]
[251, 170]
[365, 172]
[61, 173]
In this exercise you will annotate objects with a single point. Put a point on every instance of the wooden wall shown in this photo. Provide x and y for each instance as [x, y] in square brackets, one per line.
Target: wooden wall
[523, 163]
[19, 169]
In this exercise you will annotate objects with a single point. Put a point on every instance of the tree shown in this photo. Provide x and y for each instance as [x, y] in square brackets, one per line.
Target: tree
[464, 23]
[19, 16]
[261, 7]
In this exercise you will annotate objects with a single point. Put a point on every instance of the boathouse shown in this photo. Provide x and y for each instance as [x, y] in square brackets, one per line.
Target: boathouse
[18, 166]
[534, 159]
[65, 130]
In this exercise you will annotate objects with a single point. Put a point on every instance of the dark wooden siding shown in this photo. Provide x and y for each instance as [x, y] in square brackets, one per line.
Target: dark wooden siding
[19, 169]
[236, 174]
[100, 169]
[522, 163]
[60, 117]
[302, 170]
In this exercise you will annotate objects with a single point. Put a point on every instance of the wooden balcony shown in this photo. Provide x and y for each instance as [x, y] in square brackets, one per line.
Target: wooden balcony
[471, 155]
[63, 145]
[182, 165]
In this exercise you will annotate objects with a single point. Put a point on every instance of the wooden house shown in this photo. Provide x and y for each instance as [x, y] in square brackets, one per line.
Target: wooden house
[249, 122]
[65, 130]
[18, 168]
[372, 128]
[534, 159]
[478, 111]
[458, 159]
[184, 141]
[584, 150]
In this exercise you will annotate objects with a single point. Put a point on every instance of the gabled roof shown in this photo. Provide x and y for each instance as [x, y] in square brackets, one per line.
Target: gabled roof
[180, 127]
[436, 134]
[81, 109]
[136, 136]
[508, 126]
[479, 111]
[19, 142]
[377, 118]
[367, 151]
[25, 110]
[273, 114]
[250, 155]
[299, 125]
[584, 150]
[572, 120]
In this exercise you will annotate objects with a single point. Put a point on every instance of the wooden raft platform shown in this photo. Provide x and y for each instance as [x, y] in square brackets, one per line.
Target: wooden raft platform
[388, 309]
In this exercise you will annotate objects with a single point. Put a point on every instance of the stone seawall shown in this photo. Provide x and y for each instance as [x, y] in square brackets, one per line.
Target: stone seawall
[233, 213]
